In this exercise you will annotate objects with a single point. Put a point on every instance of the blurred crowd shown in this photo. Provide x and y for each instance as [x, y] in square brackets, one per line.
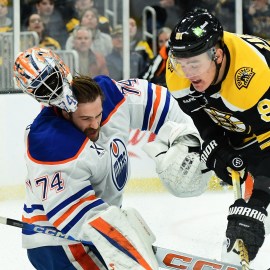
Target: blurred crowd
[82, 25]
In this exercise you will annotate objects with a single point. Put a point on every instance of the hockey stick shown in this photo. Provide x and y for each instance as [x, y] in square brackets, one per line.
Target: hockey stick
[243, 253]
[39, 229]
[167, 258]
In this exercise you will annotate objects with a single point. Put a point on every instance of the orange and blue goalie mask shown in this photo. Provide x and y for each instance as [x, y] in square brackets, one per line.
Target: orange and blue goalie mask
[41, 74]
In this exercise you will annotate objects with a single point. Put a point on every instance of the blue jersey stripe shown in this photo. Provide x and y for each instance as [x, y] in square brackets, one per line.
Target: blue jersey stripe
[148, 107]
[68, 201]
[79, 216]
[33, 207]
[164, 113]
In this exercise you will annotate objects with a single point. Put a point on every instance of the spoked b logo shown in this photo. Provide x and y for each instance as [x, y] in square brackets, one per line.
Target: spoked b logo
[237, 163]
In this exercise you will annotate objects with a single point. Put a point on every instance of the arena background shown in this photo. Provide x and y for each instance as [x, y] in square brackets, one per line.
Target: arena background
[18, 110]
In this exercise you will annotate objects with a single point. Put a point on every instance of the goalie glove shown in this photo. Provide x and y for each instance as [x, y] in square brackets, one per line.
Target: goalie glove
[246, 222]
[186, 134]
[180, 170]
[123, 239]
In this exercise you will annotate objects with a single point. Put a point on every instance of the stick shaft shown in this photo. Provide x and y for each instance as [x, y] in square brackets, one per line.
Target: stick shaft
[243, 253]
[40, 229]
[167, 258]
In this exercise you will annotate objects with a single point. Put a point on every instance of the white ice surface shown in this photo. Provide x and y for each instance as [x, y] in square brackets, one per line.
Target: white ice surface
[190, 225]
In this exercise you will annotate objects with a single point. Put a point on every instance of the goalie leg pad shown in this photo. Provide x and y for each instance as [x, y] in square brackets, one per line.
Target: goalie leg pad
[118, 242]
[142, 229]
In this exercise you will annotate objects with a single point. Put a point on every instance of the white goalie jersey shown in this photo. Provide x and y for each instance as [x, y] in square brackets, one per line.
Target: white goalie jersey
[72, 179]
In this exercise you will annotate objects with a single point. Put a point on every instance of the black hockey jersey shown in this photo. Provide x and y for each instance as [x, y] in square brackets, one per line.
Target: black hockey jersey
[240, 104]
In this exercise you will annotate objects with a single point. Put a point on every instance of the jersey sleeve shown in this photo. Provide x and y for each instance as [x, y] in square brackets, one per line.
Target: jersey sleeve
[150, 105]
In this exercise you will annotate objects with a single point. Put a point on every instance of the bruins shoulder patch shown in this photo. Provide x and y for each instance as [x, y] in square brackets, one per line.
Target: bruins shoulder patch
[243, 77]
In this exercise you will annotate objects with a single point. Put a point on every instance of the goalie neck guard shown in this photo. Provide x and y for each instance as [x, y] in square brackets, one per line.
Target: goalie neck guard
[42, 74]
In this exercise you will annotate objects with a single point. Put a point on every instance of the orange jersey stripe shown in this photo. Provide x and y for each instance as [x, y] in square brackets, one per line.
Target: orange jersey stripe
[72, 209]
[112, 112]
[104, 227]
[82, 257]
[35, 219]
[57, 162]
[156, 104]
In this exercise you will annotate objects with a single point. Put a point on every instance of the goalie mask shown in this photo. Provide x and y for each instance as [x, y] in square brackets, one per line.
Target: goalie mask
[192, 43]
[42, 74]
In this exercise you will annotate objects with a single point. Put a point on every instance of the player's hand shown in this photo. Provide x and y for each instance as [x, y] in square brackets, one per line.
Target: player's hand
[221, 158]
[192, 103]
[246, 222]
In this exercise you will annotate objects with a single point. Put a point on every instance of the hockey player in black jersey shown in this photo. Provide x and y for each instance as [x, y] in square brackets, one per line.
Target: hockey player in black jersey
[222, 81]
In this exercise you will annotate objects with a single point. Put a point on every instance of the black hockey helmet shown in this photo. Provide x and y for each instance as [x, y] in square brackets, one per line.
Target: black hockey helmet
[195, 33]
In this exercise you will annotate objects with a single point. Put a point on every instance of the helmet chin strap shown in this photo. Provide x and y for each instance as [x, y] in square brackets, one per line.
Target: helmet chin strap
[218, 66]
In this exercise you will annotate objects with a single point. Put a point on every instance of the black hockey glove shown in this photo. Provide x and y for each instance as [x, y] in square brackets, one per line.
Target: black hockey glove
[245, 221]
[219, 156]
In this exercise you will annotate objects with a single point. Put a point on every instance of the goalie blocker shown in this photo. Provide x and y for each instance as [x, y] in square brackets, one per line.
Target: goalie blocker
[176, 154]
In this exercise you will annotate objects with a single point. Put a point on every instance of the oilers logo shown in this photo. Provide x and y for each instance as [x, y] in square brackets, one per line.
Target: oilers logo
[119, 162]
